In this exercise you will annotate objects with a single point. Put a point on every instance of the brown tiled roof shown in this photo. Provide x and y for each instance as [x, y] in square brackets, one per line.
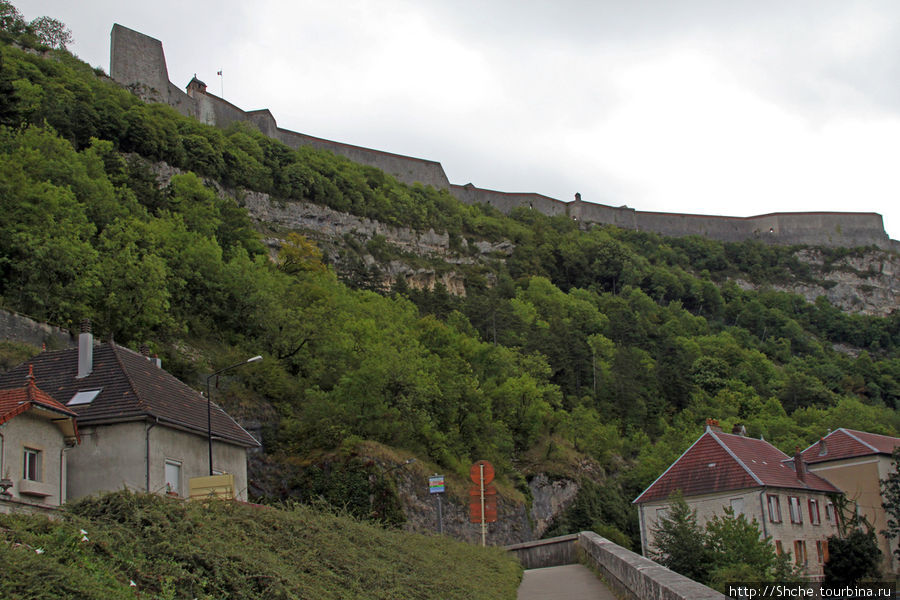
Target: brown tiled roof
[131, 387]
[16, 401]
[848, 443]
[719, 462]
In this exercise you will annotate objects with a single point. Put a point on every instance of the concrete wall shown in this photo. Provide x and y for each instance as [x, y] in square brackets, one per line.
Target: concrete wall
[21, 329]
[551, 552]
[632, 576]
[39, 433]
[859, 479]
[137, 61]
[755, 506]
[112, 457]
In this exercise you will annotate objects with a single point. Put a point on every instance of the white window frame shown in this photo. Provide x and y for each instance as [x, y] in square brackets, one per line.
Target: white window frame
[737, 505]
[830, 512]
[774, 505]
[32, 469]
[173, 489]
[814, 517]
[795, 510]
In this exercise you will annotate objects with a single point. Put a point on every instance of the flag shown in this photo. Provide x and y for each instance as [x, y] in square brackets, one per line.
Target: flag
[219, 73]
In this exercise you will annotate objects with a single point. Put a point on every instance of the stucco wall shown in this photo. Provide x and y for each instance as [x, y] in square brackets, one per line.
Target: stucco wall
[859, 479]
[755, 506]
[112, 457]
[30, 431]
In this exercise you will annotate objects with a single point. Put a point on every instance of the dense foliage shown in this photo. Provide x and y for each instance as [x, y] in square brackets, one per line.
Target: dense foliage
[603, 344]
[170, 549]
[729, 548]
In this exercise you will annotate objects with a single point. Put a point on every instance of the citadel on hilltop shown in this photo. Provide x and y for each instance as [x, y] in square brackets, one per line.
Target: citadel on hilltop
[137, 62]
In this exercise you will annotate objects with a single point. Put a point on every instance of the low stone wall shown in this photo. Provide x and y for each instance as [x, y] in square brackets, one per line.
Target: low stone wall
[551, 552]
[632, 576]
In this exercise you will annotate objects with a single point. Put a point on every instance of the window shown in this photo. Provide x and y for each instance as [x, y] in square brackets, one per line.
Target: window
[83, 398]
[737, 505]
[796, 513]
[800, 552]
[32, 465]
[829, 512]
[814, 511]
[822, 551]
[173, 477]
[774, 509]
[779, 549]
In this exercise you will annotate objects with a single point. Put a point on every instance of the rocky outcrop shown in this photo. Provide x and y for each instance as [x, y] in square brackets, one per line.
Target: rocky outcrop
[550, 498]
[864, 282]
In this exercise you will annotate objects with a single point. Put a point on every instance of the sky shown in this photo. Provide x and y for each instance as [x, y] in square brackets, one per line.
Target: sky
[738, 107]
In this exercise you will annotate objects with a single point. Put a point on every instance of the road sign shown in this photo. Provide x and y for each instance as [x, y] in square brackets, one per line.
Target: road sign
[475, 473]
[436, 484]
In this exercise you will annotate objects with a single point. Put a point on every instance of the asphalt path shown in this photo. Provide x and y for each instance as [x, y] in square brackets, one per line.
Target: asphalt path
[568, 582]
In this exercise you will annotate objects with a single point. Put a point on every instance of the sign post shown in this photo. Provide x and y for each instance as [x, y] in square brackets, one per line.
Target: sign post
[436, 487]
[482, 497]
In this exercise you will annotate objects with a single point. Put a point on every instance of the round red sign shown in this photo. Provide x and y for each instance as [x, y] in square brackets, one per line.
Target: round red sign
[476, 472]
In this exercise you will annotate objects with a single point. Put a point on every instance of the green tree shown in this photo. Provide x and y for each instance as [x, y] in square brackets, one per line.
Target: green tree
[737, 550]
[852, 559]
[51, 32]
[679, 543]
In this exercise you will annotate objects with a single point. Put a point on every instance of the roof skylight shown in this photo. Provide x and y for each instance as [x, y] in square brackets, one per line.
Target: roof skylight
[83, 397]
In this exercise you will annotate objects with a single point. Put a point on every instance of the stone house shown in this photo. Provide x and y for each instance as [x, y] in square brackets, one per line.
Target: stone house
[855, 462]
[36, 435]
[140, 427]
[719, 470]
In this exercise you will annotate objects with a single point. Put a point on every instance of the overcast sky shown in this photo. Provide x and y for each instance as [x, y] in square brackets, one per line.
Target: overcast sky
[737, 107]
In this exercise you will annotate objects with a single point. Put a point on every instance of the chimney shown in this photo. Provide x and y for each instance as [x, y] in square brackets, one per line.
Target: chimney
[799, 465]
[156, 360]
[85, 350]
[713, 425]
[823, 449]
[739, 429]
[145, 351]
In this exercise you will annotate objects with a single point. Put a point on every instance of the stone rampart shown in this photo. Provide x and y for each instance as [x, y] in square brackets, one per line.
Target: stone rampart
[19, 328]
[138, 62]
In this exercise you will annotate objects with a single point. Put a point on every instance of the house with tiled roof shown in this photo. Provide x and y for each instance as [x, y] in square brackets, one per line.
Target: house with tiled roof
[140, 427]
[36, 435]
[855, 462]
[720, 470]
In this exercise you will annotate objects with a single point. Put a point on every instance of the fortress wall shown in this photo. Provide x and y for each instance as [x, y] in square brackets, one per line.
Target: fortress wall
[137, 61]
[600, 213]
[505, 202]
[405, 168]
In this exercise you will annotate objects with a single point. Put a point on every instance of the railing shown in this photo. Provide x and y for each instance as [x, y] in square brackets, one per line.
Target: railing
[627, 574]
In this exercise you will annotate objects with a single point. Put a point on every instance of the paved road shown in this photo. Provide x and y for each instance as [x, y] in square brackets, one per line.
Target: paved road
[569, 582]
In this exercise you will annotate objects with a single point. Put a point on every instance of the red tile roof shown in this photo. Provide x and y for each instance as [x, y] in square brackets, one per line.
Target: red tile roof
[14, 402]
[848, 443]
[719, 462]
[130, 387]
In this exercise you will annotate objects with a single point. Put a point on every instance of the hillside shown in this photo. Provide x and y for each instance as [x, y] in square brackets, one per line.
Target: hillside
[173, 549]
[580, 360]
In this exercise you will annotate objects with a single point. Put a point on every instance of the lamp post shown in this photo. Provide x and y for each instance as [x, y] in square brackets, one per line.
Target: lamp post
[209, 403]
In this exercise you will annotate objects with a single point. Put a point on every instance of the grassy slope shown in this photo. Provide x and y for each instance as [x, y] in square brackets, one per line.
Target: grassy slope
[173, 549]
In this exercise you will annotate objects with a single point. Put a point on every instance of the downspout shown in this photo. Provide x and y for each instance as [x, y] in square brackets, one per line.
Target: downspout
[62, 472]
[643, 530]
[147, 456]
[762, 512]
[2, 454]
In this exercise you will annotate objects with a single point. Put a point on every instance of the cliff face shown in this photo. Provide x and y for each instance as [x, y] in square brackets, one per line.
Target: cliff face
[865, 282]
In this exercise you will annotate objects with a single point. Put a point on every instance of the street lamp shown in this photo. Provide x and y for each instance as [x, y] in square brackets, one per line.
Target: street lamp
[256, 358]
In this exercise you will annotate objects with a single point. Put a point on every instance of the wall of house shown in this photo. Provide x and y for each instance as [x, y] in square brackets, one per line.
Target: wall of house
[755, 506]
[112, 457]
[30, 431]
[859, 479]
